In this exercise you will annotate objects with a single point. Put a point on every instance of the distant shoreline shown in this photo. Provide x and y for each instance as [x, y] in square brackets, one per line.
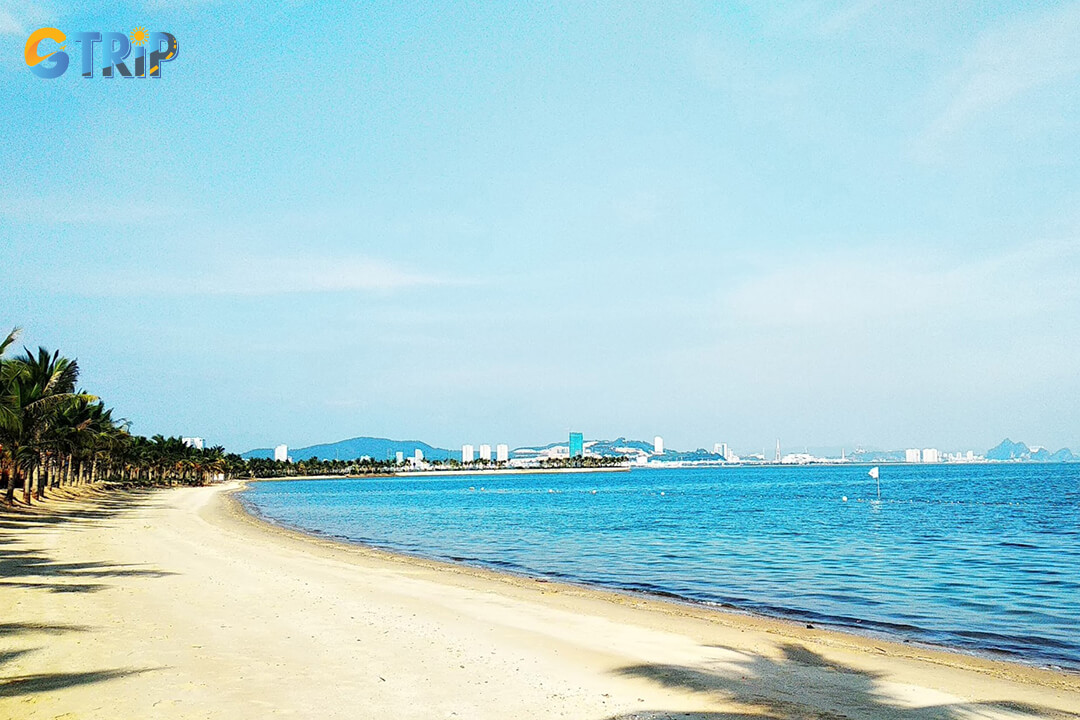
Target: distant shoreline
[509, 471]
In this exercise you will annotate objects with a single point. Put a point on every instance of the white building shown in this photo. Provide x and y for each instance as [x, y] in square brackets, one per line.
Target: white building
[658, 445]
[724, 451]
[399, 457]
[502, 453]
[418, 455]
[485, 453]
[468, 453]
[281, 453]
[193, 442]
[930, 455]
[912, 455]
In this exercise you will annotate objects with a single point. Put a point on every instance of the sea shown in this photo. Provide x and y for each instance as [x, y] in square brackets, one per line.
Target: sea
[982, 558]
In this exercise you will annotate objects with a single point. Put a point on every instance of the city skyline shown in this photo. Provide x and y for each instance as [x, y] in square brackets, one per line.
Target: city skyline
[578, 445]
[835, 222]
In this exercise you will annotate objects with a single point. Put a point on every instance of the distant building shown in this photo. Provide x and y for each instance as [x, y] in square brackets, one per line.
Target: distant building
[577, 444]
[658, 445]
[777, 459]
[502, 453]
[485, 453]
[399, 457]
[468, 453]
[723, 451]
[930, 455]
[281, 453]
[912, 455]
[418, 455]
[193, 442]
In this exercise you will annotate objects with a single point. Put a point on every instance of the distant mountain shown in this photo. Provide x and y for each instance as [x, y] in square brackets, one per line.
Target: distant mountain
[1008, 450]
[1064, 455]
[353, 448]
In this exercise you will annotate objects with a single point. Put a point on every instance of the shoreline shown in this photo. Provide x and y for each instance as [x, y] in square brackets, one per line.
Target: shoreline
[872, 631]
[179, 603]
[947, 655]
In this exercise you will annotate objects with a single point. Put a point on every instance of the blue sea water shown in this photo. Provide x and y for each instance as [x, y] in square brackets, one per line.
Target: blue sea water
[984, 558]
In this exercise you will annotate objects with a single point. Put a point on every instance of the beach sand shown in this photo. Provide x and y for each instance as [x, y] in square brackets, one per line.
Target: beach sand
[176, 604]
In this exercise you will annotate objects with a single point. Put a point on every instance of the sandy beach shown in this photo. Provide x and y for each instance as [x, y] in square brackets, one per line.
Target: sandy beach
[176, 604]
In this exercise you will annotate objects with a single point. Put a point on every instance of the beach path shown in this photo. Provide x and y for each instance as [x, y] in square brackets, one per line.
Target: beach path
[175, 604]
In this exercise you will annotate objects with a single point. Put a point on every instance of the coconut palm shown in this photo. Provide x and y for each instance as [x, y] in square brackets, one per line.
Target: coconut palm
[37, 388]
[8, 416]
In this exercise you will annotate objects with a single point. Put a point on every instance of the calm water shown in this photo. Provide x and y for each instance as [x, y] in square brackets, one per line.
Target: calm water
[983, 558]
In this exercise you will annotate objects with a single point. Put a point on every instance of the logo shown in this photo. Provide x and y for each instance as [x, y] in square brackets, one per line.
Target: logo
[150, 49]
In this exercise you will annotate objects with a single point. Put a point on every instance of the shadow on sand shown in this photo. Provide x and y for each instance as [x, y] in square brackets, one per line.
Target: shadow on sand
[802, 685]
[48, 682]
[35, 569]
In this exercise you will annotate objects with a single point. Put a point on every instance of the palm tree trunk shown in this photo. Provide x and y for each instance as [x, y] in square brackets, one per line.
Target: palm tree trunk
[28, 479]
[7, 479]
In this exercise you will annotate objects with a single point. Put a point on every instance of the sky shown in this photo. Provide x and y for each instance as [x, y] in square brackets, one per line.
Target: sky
[836, 223]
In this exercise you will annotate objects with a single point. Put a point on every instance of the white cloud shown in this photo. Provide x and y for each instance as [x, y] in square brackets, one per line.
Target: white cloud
[1005, 64]
[8, 24]
[254, 275]
[847, 16]
[1032, 283]
[68, 210]
[18, 18]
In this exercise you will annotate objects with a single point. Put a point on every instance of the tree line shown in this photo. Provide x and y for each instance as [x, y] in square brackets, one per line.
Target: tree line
[54, 434]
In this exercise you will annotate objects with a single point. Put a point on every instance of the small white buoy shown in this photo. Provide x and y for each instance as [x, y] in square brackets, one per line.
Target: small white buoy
[845, 498]
[661, 492]
[593, 492]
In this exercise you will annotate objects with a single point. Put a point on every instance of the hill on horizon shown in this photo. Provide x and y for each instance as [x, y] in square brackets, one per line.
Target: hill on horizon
[357, 447]
[1009, 450]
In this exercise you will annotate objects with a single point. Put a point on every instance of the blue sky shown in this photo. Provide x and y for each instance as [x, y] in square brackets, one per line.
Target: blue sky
[835, 223]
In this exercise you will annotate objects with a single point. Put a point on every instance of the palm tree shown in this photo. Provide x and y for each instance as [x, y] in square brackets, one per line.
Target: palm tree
[37, 388]
[9, 418]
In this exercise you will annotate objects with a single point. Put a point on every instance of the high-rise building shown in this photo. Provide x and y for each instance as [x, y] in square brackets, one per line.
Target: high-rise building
[658, 445]
[193, 442]
[418, 455]
[912, 455]
[281, 453]
[468, 453]
[399, 457]
[485, 453]
[722, 450]
[577, 444]
[502, 453]
[777, 458]
[930, 455]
